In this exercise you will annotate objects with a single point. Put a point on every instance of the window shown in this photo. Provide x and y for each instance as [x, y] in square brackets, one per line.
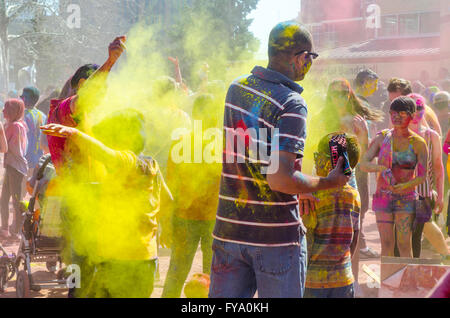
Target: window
[316, 32]
[389, 25]
[408, 24]
[329, 35]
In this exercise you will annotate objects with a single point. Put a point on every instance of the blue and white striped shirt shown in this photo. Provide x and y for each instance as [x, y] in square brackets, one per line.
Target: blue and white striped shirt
[262, 111]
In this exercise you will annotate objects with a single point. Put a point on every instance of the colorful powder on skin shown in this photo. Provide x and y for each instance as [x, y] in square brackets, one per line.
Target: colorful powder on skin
[306, 67]
[283, 36]
[133, 85]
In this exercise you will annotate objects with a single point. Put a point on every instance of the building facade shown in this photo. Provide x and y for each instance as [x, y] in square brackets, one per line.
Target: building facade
[393, 37]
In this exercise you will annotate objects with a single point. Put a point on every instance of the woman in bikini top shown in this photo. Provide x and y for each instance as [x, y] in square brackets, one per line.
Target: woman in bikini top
[398, 158]
[402, 159]
[406, 160]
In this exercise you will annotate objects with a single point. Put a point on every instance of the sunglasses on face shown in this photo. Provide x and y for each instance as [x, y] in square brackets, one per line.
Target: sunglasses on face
[401, 113]
[308, 54]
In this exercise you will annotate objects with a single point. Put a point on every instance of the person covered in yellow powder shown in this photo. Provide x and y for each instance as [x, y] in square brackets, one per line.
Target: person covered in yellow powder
[366, 84]
[333, 228]
[194, 186]
[115, 228]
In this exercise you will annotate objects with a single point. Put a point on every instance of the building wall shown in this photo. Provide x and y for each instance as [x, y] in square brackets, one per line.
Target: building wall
[334, 23]
[320, 10]
[407, 18]
[401, 6]
[445, 32]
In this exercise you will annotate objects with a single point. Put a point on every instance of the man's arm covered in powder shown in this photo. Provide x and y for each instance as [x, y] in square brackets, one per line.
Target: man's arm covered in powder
[287, 179]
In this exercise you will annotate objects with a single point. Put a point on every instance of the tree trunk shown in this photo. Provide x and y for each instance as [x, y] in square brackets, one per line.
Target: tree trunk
[4, 47]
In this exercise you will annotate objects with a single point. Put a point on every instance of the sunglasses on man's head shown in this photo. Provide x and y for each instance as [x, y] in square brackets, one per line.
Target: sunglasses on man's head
[308, 54]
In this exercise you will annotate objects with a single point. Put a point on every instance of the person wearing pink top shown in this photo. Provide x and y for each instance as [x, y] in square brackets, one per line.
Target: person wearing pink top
[64, 110]
[447, 143]
[15, 164]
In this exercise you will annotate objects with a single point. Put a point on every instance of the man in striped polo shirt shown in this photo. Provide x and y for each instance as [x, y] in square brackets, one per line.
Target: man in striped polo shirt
[259, 242]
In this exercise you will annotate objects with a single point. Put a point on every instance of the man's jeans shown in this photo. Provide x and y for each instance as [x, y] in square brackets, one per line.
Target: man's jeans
[239, 270]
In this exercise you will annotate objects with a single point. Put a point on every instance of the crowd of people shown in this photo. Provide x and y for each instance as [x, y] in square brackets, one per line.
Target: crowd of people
[264, 224]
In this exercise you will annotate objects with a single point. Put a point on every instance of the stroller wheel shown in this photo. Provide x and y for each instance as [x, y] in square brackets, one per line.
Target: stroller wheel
[51, 266]
[22, 285]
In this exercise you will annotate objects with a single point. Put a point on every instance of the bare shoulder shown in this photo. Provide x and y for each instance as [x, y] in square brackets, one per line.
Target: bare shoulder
[417, 141]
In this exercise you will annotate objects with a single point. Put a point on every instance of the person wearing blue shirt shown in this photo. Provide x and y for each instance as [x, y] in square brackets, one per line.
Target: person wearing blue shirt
[34, 118]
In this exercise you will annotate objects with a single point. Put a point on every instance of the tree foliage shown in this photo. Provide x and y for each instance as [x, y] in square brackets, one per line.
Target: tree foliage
[196, 31]
[212, 31]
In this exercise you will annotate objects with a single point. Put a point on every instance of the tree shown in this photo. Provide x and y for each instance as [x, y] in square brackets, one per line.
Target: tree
[213, 31]
[21, 26]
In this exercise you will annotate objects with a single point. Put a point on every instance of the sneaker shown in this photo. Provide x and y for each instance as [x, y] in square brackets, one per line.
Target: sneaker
[369, 253]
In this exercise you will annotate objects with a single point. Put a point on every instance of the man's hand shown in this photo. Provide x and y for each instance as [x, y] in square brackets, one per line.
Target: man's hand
[116, 48]
[307, 203]
[439, 205]
[59, 130]
[336, 177]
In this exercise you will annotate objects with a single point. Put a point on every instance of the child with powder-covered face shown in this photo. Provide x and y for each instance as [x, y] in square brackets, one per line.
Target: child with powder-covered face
[333, 229]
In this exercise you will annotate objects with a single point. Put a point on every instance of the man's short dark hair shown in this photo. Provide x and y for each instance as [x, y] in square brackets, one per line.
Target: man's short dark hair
[399, 84]
[404, 103]
[83, 72]
[287, 37]
[364, 75]
[32, 95]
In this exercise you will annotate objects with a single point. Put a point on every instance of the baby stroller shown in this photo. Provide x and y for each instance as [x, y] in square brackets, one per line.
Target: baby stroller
[7, 268]
[40, 237]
